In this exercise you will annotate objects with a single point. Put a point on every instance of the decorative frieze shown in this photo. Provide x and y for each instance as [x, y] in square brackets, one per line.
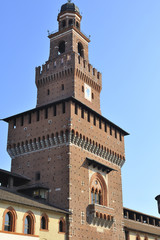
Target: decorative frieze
[67, 137]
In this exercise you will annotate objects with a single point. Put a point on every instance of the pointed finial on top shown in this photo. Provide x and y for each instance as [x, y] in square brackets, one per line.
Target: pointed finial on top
[69, 1]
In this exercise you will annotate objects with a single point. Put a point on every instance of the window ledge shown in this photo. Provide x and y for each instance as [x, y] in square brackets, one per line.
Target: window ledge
[44, 230]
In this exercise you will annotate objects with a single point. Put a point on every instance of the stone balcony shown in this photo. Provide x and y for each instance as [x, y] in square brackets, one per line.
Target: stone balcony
[100, 215]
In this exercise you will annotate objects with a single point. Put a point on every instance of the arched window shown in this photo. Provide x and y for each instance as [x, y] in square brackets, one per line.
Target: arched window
[61, 48]
[80, 49]
[70, 22]
[62, 225]
[28, 223]
[9, 220]
[63, 23]
[98, 189]
[77, 25]
[44, 222]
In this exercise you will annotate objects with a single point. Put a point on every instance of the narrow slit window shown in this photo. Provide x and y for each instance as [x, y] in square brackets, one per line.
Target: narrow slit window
[76, 109]
[111, 130]
[88, 116]
[29, 118]
[92, 95]
[105, 127]
[62, 87]
[94, 120]
[22, 121]
[115, 133]
[14, 123]
[46, 113]
[55, 110]
[120, 136]
[100, 124]
[82, 113]
[63, 107]
[37, 116]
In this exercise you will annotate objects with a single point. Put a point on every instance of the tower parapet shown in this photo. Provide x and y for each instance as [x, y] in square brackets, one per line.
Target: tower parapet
[68, 75]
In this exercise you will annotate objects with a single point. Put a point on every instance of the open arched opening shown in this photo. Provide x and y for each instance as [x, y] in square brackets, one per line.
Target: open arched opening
[63, 23]
[80, 50]
[61, 47]
[77, 25]
[70, 23]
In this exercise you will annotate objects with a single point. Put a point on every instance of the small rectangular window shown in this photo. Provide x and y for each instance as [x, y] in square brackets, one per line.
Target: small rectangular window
[22, 120]
[111, 130]
[54, 110]
[46, 113]
[55, 64]
[37, 176]
[100, 125]
[62, 87]
[63, 107]
[76, 109]
[94, 120]
[29, 118]
[82, 113]
[88, 116]
[37, 116]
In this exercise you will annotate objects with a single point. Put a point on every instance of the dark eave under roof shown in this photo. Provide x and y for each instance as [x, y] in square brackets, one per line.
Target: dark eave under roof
[99, 165]
[34, 186]
[18, 179]
[5, 173]
[9, 196]
[77, 102]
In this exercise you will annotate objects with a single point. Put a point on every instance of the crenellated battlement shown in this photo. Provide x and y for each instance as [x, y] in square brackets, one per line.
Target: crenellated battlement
[63, 65]
[85, 69]
[54, 69]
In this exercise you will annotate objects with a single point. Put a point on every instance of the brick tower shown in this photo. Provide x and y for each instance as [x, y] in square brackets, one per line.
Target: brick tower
[65, 144]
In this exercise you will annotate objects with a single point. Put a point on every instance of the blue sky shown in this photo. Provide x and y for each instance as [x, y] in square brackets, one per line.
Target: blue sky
[125, 47]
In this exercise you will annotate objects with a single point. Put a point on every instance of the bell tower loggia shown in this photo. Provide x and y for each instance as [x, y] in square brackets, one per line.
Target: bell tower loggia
[68, 73]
